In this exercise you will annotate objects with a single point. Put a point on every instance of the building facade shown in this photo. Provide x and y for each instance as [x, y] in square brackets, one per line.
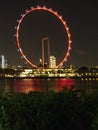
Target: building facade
[52, 62]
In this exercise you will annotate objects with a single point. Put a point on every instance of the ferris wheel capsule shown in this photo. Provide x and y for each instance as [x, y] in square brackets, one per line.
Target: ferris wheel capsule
[38, 7]
[18, 21]
[67, 29]
[50, 9]
[56, 13]
[32, 7]
[17, 50]
[70, 41]
[69, 48]
[21, 57]
[15, 27]
[44, 7]
[69, 35]
[64, 22]
[27, 11]
[21, 15]
[14, 35]
[60, 17]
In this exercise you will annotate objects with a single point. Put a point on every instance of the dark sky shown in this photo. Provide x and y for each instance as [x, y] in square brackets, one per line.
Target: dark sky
[81, 17]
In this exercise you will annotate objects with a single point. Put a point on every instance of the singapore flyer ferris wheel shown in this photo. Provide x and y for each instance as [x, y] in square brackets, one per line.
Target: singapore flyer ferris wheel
[66, 28]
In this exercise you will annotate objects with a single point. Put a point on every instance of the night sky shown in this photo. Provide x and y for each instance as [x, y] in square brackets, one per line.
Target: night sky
[81, 17]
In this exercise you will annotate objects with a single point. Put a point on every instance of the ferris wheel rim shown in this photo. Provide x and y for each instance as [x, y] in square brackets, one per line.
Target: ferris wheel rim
[44, 8]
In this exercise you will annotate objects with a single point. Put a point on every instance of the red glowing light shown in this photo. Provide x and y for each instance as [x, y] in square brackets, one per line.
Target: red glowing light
[55, 14]
[67, 83]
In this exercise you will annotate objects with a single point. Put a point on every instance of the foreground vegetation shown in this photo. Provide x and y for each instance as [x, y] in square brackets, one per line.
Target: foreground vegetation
[65, 110]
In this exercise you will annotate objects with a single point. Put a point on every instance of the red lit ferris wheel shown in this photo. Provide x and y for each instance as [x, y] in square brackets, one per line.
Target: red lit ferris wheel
[38, 8]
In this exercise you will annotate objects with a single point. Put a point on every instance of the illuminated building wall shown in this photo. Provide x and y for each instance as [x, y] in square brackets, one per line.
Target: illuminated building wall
[2, 61]
[52, 63]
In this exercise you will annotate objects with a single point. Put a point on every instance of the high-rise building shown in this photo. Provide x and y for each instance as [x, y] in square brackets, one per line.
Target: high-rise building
[2, 61]
[52, 62]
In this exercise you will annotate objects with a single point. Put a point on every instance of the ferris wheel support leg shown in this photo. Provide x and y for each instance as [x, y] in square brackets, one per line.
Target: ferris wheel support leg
[43, 53]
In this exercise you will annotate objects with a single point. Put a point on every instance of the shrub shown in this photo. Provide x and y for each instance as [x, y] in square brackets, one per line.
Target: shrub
[64, 110]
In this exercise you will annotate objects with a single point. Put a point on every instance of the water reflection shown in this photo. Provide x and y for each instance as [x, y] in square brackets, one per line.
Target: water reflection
[26, 85]
[66, 83]
[5, 85]
[37, 84]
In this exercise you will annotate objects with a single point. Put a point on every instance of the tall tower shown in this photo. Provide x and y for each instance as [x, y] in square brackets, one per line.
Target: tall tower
[52, 62]
[2, 61]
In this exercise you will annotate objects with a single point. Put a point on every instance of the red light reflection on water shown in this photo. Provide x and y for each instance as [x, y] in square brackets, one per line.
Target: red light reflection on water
[65, 83]
[26, 85]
